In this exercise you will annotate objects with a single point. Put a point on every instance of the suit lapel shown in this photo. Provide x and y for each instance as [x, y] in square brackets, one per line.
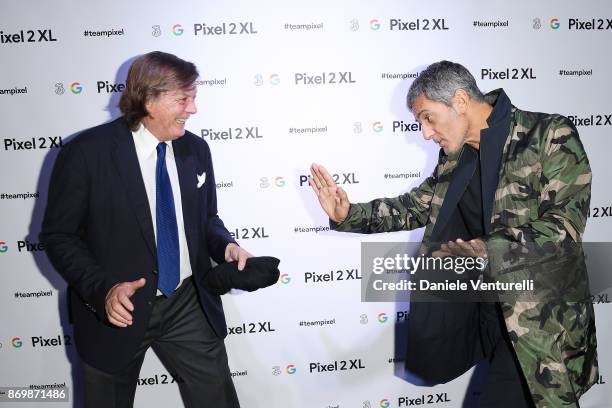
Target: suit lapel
[186, 166]
[461, 177]
[126, 161]
[491, 155]
[493, 147]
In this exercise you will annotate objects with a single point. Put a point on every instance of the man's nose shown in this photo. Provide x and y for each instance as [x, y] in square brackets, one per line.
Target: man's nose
[191, 107]
[427, 131]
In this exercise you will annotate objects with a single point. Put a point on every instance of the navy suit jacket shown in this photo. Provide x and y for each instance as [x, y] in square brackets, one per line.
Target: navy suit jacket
[98, 231]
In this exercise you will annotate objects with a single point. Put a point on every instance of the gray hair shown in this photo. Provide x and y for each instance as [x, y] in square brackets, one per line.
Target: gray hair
[439, 82]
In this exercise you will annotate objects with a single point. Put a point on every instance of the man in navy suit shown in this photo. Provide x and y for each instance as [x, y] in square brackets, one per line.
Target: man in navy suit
[131, 224]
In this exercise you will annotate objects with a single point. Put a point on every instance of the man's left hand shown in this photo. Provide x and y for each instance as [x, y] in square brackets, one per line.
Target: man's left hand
[474, 248]
[235, 253]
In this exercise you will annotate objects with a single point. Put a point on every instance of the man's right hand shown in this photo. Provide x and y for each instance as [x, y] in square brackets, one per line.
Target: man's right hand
[118, 305]
[333, 199]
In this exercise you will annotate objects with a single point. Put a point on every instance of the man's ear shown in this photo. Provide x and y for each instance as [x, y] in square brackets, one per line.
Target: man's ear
[147, 104]
[150, 100]
[460, 101]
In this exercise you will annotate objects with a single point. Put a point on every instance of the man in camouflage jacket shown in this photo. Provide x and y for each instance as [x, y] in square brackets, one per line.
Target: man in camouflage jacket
[535, 189]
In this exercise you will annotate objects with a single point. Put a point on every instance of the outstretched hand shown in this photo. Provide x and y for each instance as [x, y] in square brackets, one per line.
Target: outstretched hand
[333, 199]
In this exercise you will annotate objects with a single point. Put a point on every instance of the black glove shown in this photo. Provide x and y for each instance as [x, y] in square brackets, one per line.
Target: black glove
[259, 272]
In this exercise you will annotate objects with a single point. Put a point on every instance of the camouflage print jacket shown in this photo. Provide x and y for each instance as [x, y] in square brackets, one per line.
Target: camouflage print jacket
[542, 197]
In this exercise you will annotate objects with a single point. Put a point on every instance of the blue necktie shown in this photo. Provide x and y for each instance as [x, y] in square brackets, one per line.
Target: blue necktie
[167, 230]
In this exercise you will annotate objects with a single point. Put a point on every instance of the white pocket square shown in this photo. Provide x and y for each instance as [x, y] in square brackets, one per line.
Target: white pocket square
[201, 179]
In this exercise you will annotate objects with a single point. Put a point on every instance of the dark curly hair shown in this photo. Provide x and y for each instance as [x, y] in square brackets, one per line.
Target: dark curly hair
[149, 76]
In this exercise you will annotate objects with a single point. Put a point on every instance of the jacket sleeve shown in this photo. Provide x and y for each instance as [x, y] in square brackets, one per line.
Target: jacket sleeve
[406, 212]
[217, 236]
[63, 230]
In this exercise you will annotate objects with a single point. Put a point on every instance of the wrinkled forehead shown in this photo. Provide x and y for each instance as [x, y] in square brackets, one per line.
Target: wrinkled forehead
[191, 90]
[423, 104]
[418, 102]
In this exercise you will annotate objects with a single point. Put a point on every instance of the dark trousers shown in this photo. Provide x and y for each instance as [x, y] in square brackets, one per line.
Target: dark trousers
[446, 339]
[185, 343]
[499, 381]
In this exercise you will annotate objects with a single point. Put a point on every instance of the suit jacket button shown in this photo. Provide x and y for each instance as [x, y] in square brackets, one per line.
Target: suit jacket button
[150, 303]
[155, 272]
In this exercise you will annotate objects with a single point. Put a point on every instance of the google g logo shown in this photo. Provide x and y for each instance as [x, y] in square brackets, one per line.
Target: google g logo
[377, 127]
[274, 79]
[279, 181]
[76, 88]
[16, 342]
[291, 369]
[3, 247]
[385, 403]
[285, 278]
[382, 317]
[177, 29]
[374, 24]
[554, 23]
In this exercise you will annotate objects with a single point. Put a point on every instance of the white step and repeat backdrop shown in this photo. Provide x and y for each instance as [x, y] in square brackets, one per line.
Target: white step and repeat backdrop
[283, 84]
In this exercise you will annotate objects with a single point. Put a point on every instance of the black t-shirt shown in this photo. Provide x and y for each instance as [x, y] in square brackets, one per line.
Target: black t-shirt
[470, 204]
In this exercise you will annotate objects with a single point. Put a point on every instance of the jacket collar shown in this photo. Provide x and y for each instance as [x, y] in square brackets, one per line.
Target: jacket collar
[492, 142]
[462, 165]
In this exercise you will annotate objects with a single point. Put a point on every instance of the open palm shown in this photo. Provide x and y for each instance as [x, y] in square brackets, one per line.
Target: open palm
[333, 199]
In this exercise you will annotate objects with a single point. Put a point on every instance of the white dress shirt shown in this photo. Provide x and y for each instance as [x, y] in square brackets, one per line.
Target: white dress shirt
[146, 150]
